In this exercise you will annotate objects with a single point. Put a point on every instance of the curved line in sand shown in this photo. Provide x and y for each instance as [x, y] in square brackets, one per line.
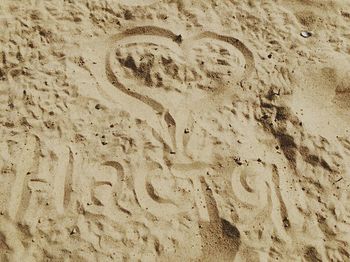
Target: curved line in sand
[165, 33]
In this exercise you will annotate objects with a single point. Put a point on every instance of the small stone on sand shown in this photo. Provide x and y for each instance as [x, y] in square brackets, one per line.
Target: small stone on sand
[306, 34]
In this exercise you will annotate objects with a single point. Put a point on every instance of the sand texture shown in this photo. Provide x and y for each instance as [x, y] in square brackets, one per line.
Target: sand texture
[175, 130]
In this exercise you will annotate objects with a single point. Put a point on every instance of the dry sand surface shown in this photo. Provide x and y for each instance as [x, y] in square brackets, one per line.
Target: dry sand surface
[174, 130]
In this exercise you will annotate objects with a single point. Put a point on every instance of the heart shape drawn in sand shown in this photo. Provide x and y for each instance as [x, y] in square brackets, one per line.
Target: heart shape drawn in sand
[171, 74]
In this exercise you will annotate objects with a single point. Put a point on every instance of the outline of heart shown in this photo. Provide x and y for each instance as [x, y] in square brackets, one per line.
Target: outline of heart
[153, 31]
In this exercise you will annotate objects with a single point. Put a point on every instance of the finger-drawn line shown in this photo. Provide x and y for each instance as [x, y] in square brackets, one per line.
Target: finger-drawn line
[60, 173]
[257, 189]
[248, 55]
[194, 172]
[148, 200]
[68, 180]
[250, 197]
[120, 175]
[27, 193]
[283, 208]
[23, 166]
[220, 239]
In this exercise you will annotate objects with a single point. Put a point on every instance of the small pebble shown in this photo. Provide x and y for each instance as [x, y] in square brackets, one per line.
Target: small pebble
[73, 231]
[305, 34]
[178, 39]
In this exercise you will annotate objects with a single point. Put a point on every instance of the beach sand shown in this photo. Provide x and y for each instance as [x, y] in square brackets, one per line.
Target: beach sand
[174, 130]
